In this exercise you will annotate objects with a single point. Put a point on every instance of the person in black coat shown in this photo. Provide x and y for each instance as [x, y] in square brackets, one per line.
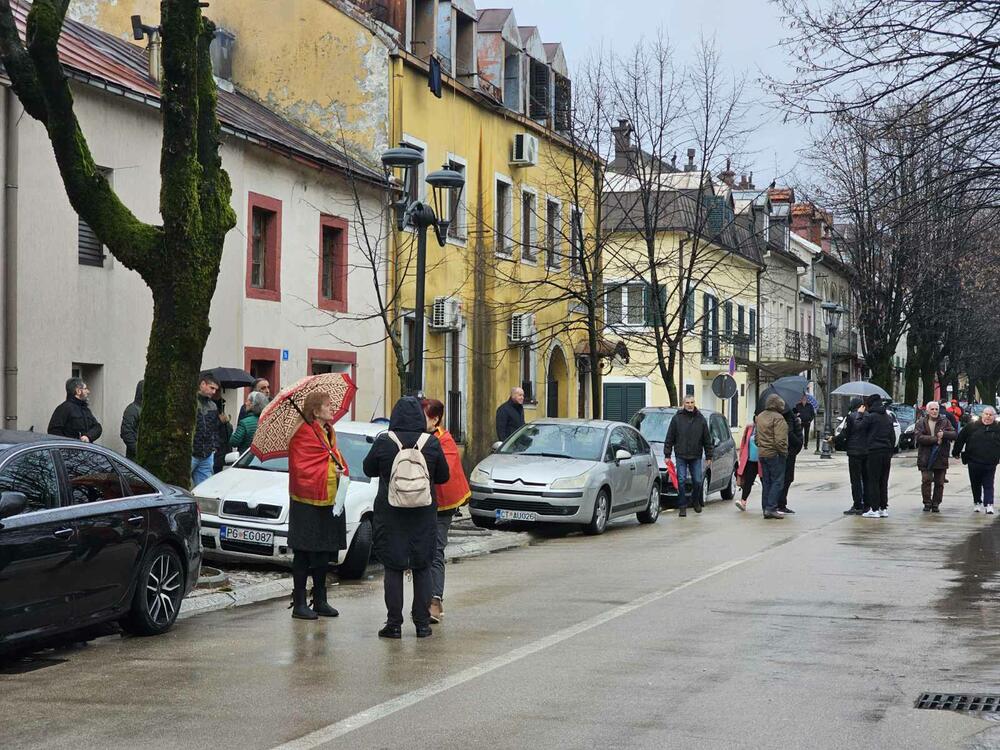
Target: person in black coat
[405, 538]
[857, 456]
[510, 415]
[73, 418]
[130, 423]
[796, 439]
[880, 440]
[981, 444]
[807, 414]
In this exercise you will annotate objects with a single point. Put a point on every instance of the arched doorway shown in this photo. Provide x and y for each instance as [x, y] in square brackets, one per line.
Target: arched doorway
[557, 385]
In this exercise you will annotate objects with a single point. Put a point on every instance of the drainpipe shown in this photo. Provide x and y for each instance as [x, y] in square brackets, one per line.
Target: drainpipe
[12, 113]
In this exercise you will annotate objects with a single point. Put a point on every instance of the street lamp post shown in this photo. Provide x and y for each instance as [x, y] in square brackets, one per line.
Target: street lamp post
[831, 314]
[446, 185]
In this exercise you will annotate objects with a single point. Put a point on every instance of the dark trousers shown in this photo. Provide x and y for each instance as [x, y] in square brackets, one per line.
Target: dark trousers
[773, 480]
[805, 435]
[748, 478]
[856, 465]
[393, 582]
[437, 566]
[687, 467]
[877, 480]
[932, 486]
[789, 478]
[982, 477]
[306, 563]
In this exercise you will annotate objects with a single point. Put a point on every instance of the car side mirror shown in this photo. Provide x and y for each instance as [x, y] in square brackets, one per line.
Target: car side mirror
[496, 446]
[12, 504]
[622, 455]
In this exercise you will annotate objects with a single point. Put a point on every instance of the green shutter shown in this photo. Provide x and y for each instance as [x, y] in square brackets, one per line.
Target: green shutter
[635, 399]
[614, 402]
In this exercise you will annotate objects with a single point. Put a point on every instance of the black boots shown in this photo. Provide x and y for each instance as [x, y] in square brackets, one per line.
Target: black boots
[390, 631]
[301, 610]
[319, 603]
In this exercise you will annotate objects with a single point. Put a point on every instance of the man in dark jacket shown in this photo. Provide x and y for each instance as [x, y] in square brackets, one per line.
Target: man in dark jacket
[224, 431]
[405, 538]
[206, 430]
[796, 439]
[981, 442]
[510, 415]
[857, 452]
[687, 438]
[933, 435]
[73, 418]
[130, 423]
[807, 414]
[880, 440]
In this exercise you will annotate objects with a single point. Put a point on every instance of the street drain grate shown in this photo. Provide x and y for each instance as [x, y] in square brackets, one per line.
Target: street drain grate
[959, 702]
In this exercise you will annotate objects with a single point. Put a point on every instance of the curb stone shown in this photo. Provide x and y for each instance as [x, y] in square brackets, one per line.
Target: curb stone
[282, 587]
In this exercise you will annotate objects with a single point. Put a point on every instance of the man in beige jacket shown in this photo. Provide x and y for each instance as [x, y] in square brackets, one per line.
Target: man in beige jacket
[772, 452]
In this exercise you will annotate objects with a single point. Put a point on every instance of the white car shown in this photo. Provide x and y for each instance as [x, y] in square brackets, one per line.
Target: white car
[244, 509]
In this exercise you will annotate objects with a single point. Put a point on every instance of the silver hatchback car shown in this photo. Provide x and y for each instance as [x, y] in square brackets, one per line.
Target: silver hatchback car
[576, 471]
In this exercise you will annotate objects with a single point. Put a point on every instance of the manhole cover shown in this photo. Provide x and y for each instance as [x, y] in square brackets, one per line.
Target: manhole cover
[959, 702]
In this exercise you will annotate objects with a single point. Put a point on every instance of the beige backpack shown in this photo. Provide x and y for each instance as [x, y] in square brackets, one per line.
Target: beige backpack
[409, 479]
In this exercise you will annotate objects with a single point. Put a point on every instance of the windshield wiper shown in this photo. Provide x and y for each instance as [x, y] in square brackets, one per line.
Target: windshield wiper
[256, 468]
[548, 455]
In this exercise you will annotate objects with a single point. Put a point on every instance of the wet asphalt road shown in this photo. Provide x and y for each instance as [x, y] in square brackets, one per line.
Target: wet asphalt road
[714, 631]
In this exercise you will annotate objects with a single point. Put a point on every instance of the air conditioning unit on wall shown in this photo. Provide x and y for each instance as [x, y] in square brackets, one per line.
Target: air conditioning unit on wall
[446, 314]
[525, 150]
[522, 328]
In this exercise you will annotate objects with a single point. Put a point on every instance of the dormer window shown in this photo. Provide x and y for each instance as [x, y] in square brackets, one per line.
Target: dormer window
[421, 25]
[540, 91]
[512, 78]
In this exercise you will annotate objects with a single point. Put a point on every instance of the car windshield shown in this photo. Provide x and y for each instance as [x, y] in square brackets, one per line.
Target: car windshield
[653, 424]
[557, 440]
[904, 412]
[353, 446]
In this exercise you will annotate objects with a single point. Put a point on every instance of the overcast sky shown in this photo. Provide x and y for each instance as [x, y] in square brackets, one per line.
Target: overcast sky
[747, 33]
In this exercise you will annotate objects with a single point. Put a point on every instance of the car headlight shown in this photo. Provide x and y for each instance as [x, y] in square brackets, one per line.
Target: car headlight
[479, 476]
[208, 505]
[571, 483]
[909, 428]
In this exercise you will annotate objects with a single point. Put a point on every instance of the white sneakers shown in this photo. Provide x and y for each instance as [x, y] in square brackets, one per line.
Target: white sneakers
[885, 513]
[989, 509]
[977, 508]
[871, 514]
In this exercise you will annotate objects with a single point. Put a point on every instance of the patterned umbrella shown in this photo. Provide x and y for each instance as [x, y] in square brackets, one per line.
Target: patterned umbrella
[283, 416]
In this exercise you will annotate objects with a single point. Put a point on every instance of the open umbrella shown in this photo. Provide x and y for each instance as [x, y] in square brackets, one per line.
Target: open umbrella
[232, 377]
[283, 416]
[791, 390]
[862, 389]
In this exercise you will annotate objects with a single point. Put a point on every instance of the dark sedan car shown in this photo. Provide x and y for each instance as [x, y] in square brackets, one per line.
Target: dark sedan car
[653, 421]
[86, 537]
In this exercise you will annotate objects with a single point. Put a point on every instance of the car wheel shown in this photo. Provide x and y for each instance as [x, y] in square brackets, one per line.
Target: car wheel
[727, 491]
[602, 510]
[704, 488]
[652, 511]
[158, 594]
[484, 522]
[356, 562]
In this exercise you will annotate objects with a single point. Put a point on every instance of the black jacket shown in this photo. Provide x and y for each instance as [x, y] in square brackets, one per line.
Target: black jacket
[73, 419]
[688, 436]
[876, 427]
[981, 443]
[796, 435]
[130, 423]
[206, 428]
[510, 418]
[806, 413]
[857, 444]
[223, 431]
[405, 537]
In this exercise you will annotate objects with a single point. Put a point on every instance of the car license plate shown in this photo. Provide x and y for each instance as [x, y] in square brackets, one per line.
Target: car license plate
[250, 536]
[516, 515]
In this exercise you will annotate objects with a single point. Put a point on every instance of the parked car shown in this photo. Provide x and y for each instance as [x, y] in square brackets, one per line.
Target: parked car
[653, 421]
[87, 537]
[571, 471]
[897, 428]
[244, 508]
[907, 417]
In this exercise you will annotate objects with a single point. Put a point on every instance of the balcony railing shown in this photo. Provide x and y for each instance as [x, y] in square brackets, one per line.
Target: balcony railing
[719, 348]
[792, 346]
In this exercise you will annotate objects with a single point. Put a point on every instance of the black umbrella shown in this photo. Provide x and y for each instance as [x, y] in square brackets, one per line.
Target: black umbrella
[791, 390]
[232, 377]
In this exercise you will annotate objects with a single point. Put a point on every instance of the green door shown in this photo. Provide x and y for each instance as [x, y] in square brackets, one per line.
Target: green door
[623, 400]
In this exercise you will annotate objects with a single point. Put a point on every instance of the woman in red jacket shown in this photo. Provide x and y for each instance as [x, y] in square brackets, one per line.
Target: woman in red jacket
[451, 496]
[315, 535]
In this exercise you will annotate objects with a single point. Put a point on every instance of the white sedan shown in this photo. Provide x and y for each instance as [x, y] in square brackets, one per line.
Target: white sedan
[244, 509]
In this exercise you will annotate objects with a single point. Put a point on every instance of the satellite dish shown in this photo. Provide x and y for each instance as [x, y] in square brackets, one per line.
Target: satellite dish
[724, 386]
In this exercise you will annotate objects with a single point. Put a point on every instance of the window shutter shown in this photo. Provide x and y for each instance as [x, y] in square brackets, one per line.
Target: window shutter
[614, 402]
[89, 248]
[648, 304]
[728, 319]
[753, 326]
[635, 399]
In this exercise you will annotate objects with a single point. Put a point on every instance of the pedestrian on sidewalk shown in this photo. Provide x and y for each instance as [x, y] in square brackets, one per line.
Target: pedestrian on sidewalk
[879, 440]
[406, 537]
[206, 430]
[224, 430]
[978, 445]
[243, 434]
[795, 443]
[451, 496]
[315, 534]
[933, 435]
[855, 445]
[130, 423]
[807, 414]
[748, 466]
[73, 418]
[260, 385]
[688, 438]
[771, 434]
[510, 415]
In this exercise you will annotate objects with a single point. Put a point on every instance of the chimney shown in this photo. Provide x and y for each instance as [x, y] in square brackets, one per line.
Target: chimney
[689, 167]
[139, 32]
[728, 176]
[623, 138]
[750, 183]
[673, 161]
[744, 185]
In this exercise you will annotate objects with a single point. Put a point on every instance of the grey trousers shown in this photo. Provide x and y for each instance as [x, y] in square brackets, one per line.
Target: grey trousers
[437, 566]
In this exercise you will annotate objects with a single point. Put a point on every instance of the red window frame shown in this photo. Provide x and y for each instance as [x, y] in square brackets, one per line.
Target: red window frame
[272, 270]
[340, 356]
[339, 302]
[273, 356]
